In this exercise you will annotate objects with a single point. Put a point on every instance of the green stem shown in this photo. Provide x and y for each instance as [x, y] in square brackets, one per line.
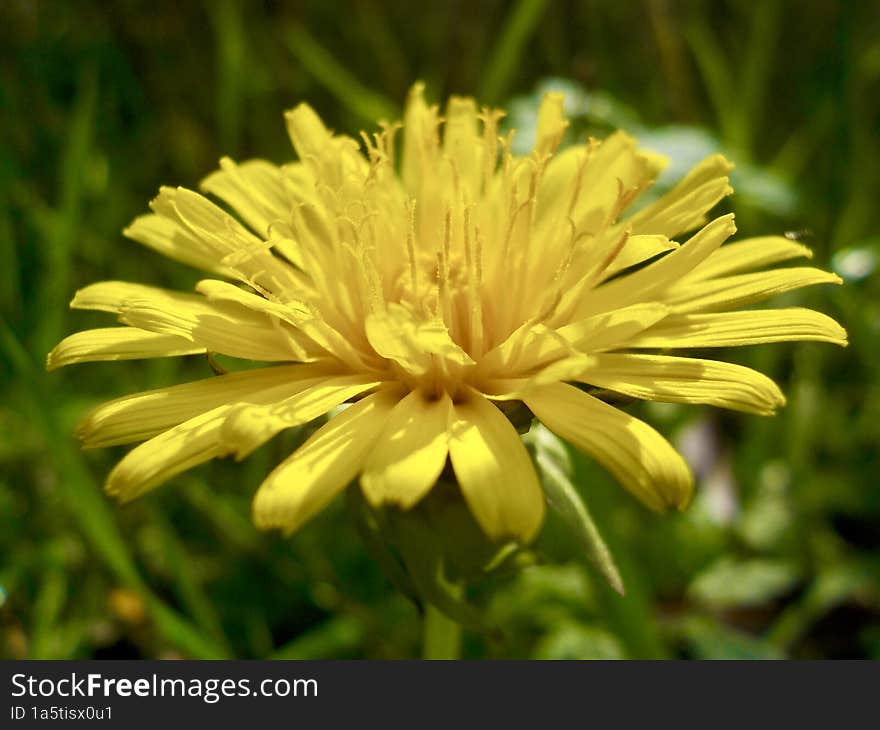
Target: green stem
[441, 636]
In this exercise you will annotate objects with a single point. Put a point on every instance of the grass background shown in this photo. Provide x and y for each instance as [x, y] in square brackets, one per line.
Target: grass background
[101, 103]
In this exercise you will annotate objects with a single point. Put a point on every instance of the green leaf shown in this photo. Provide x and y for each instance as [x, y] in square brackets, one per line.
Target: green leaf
[709, 639]
[573, 641]
[729, 582]
[562, 497]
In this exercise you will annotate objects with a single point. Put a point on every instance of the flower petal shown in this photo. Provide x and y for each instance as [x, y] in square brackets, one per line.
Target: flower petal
[636, 250]
[398, 335]
[613, 171]
[183, 447]
[143, 415]
[751, 327]
[641, 459]
[311, 337]
[646, 284]
[225, 240]
[527, 347]
[225, 327]
[494, 471]
[231, 326]
[420, 143]
[410, 453]
[727, 292]
[323, 466]
[614, 328]
[685, 206]
[551, 123]
[749, 254]
[247, 428]
[332, 159]
[111, 296]
[462, 144]
[187, 445]
[173, 240]
[685, 380]
[117, 343]
[255, 189]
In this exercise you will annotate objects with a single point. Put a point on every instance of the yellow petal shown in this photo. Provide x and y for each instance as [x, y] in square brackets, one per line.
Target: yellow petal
[613, 172]
[552, 355]
[143, 415]
[173, 240]
[227, 241]
[312, 338]
[224, 327]
[529, 346]
[647, 283]
[462, 144]
[749, 254]
[307, 132]
[188, 444]
[639, 457]
[729, 329]
[183, 447]
[685, 206]
[234, 326]
[223, 291]
[727, 292]
[551, 123]
[420, 143]
[247, 428]
[614, 328]
[685, 380]
[333, 159]
[398, 335]
[494, 471]
[636, 250]
[601, 260]
[407, 459]
[111, 296]
[255, 189]
[117, 343]
[323, 466]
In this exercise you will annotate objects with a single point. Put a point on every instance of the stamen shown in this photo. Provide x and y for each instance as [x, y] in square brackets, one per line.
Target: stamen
[389, 133]
[444, 291]
[592, 145]
[475, 281]
[411, 249]
[490, 118]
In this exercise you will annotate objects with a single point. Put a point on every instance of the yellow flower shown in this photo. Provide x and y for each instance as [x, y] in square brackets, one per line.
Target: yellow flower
[433, 295]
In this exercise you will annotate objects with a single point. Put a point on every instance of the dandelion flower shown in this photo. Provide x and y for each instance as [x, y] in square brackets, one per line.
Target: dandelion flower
[431, 296]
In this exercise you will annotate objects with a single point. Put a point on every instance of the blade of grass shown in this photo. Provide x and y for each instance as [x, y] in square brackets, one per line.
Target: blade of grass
[757, 65]
[230, 523]
[56, 250]
[506, 57]
[716, 76]
[226, 19]
[10, 288]
[376, 31]
[86, 505]
[332, 638]
[47, 609]
[189, 584]
[319, 63]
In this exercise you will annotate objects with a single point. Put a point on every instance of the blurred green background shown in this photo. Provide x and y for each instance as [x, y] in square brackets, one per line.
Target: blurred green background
[101, 103]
